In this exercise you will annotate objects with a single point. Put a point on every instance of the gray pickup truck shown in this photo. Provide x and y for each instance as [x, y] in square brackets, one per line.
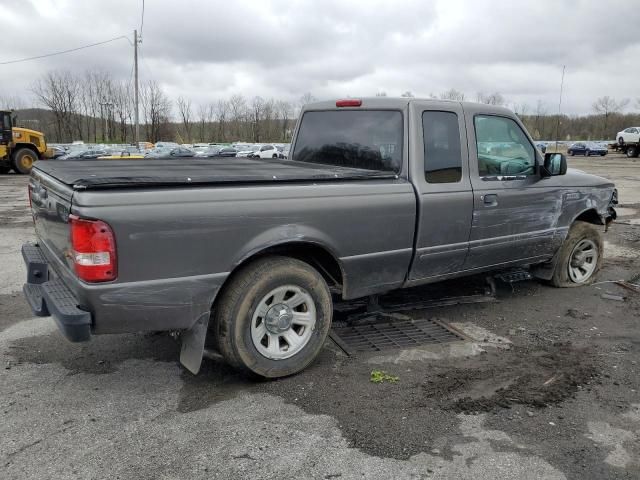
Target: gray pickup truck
[247, 254]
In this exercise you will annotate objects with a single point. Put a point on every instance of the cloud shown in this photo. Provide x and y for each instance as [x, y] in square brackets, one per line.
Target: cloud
[206, 50]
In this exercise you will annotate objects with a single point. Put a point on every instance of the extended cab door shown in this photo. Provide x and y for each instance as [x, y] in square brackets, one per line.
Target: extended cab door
[515, 210]
[440, 173]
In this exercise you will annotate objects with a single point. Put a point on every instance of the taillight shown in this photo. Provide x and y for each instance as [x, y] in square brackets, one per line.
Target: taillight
[349, 102]
[94, 249]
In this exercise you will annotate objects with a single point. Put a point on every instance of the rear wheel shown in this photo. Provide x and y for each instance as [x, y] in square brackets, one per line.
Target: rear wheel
[275, 156]
[580, 256]
[632, 152]
[273, 317]
[571, 153]
[587, 153]
[23, 160]
[620, 141]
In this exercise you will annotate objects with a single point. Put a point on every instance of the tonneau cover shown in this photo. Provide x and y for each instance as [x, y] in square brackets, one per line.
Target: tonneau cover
[95, 174]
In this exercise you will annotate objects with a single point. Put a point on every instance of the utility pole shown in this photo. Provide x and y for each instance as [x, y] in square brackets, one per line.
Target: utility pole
[136, 133]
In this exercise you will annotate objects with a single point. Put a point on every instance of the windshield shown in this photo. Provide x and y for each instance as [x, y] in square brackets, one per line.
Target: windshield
[368, 139]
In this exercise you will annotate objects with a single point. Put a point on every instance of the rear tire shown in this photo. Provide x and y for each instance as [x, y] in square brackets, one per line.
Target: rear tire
[580, 256]
[620, 141]
[250, 316]
[587, 153]
[23, 160]
[632, 152]
[571, 153]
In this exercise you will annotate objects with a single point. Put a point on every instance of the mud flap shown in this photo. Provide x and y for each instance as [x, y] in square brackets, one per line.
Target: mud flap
[192, 346]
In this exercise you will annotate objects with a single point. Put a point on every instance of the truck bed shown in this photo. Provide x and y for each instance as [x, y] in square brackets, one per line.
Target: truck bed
[100, 174]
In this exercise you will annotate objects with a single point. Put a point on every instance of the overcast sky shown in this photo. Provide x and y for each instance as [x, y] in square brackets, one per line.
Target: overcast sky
[210, 49]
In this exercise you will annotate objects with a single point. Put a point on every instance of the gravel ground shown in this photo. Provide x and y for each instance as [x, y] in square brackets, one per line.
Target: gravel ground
[545, 387]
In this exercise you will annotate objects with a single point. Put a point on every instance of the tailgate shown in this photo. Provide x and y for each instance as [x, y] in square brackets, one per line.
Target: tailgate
[51, 205]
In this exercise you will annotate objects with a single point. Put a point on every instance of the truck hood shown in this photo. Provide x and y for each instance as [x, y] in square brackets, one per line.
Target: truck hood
[578, 178]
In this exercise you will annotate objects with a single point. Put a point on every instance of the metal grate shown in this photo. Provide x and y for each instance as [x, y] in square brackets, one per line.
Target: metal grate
[376, 336]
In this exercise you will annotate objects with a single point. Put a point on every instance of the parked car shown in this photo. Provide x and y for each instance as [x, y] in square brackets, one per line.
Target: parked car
[629, 135]
[209, 151]
[163, 152]
[251, 257]
[58, 151]
[246, 150]
[266, 151]
[587, 149]
[227, 152]
[85, 154]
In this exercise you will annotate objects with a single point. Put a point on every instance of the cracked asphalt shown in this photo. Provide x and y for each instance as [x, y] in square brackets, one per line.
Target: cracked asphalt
[545, 387]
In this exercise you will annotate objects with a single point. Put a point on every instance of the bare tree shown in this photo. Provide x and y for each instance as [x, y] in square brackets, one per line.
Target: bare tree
[205, 119]
[491, 98]
[238, 113]
[452, 94]
[184, 110]
[222, 112]
[156, 110]
[285, 112]
[606, 106]
[381, 93]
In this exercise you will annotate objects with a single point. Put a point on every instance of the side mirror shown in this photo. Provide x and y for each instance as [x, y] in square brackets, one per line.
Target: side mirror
[554, 164]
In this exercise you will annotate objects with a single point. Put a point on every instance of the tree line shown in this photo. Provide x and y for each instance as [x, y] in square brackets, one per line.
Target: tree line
[95, 107]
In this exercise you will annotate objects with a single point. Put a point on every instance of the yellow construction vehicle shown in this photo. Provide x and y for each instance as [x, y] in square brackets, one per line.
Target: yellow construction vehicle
[19, 147]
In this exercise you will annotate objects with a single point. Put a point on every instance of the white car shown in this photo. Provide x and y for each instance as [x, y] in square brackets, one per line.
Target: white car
[629, 135]
[266, 151]
[246, 150]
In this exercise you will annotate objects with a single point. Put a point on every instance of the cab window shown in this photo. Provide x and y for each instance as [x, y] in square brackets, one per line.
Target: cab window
[442, 154]
[503, 148]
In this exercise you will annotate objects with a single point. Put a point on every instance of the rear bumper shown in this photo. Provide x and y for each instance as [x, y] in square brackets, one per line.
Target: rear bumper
[48, 295]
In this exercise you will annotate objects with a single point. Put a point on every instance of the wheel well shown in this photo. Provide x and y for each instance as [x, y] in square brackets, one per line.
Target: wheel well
[20, 146]
[589, 216]
[315, 255]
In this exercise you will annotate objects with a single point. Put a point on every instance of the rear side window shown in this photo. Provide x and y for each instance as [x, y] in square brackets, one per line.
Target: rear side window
[442, 154]
[367, 139]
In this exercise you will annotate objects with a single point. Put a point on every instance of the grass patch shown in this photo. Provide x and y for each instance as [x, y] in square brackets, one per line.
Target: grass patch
[378, 376]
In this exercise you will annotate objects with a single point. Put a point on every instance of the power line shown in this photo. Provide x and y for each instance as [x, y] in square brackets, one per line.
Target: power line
[142, 21]
[66, 51]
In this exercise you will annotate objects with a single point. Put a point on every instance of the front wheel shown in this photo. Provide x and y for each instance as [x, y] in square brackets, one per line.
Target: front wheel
[632, 152]
[571, 152]
[580, 256]
[587, 153]
[23, 160]
[273, 317]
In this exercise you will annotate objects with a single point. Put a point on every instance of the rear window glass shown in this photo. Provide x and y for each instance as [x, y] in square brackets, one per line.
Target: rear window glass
[367, 139]
[442, 156]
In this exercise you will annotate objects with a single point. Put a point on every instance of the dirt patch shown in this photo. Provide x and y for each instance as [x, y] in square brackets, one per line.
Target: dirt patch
[417, 408]
[536, 378]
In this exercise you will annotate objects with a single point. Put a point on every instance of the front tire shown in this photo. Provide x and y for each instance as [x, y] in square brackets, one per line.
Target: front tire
[273, 317]
[632, 152]
[587, 153]
[23, 160]
[571, 152]
[580, 256]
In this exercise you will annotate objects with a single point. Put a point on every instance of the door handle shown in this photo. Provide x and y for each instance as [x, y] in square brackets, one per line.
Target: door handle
[490, 200]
